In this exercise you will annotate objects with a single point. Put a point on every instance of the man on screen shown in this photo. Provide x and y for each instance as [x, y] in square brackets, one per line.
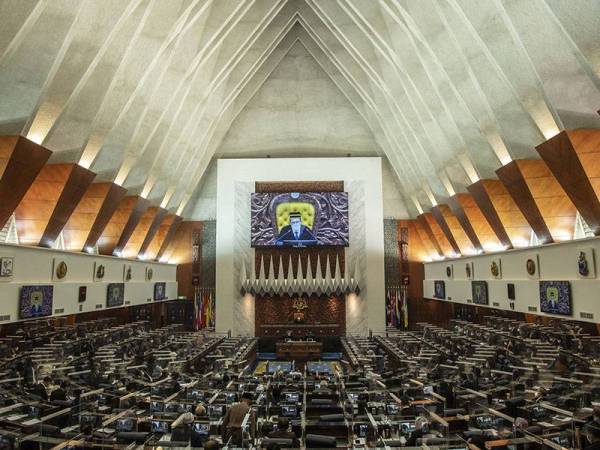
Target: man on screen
[296, 233]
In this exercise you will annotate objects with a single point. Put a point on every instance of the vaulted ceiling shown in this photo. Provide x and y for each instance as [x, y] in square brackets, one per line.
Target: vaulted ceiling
[145, 92]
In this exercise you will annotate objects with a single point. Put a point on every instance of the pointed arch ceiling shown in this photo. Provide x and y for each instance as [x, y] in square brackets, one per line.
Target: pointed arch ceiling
[143, 92]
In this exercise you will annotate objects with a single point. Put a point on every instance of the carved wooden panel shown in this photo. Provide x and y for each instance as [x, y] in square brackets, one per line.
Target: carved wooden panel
[574, 159]
[511, 176]
[325, 316]
[299, 186]
[21, 161]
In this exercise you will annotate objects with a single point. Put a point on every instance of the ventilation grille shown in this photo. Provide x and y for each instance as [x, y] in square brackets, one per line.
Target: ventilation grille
[99, 306]
[532, 308]
[127, 302]
[585, 315]
[59, 311]
[469, 300]
[495, 304]
[4, 318]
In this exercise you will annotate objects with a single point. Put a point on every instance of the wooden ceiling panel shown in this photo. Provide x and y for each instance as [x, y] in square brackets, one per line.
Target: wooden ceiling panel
[438, 235]
[459, 204]
[511, 176]
[168, 238]
[481, 227]
[426, 220]
[137, 212]
[37, 206]
[574, 159]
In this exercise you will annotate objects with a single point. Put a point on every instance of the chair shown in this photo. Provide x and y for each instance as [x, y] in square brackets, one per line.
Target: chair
[320, 441]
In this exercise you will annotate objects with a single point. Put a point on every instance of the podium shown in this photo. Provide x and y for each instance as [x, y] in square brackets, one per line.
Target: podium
[299, 350]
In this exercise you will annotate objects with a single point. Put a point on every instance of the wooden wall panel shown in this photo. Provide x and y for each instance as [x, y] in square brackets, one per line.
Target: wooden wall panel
[80, 223]
[451, 229]
[435, 234]
[21, 161]
[459, 204]
[36, 208]
[159, 218]
[553, 203]
[139, 209]
[113, 230]
[180, 253]
[98, 206]
[481, 227]
[432, 248]
[574, 159]
[511, 176]
[482, 199]
[75, 188]
[417, 249]
[514, 222]
[166, 242]
[134, 244]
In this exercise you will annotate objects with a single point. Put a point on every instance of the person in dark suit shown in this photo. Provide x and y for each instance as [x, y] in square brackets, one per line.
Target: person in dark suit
[592, 432]
[296, 233]
[284, 432]
[60, 393]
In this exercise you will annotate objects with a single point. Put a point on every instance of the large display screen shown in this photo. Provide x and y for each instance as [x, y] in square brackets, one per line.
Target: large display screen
[299, 219]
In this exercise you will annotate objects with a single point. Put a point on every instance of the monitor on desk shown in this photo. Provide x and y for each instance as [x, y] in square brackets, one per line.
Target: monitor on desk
[427, 390]
[484, 422]
[196, 394]
[159, 426]
[292, 397]
[94, 421]
[125, 424]
[156, 406]
[407, 427]
[289, 411]
[200, 431]
[34, 412]
[392, 409]
[230, 397]
[173, 407]
[215, 411]
[361, 429]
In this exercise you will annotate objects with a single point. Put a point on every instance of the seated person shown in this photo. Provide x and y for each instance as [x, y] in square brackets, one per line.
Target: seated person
[592, 433]
[181, 427]
[60, 393]
[284, 432]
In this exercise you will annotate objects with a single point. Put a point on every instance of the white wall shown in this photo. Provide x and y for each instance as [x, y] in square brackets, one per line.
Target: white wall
[34, 266]
[556, 262]
[362, 181]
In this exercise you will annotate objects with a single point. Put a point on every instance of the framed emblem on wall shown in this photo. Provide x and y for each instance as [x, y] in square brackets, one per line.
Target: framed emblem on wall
[59, 270]
[7, 264]
[449, 271]
[160, 291]
[496, 268]
[99, 271]
[532, 266]
[469, 270]
[586, 264]
[35, 301]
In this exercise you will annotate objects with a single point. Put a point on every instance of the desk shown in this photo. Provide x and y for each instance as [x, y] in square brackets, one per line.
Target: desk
[299, 350]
